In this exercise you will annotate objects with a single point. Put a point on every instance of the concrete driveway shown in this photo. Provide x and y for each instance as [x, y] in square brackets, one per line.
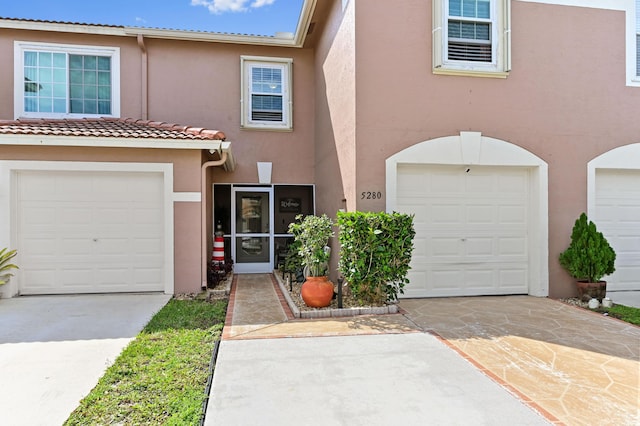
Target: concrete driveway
[54, 349]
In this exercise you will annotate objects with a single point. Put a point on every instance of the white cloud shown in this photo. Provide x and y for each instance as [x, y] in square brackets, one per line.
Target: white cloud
[221, 6]
[259, 3]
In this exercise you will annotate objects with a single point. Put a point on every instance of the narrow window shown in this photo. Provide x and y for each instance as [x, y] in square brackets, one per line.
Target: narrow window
[266, 101]
[469, 31]
[472, 37]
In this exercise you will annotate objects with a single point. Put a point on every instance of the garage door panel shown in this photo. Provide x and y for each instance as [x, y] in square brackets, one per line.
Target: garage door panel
[443, 214]
[475, 247]
[443, 247]
[513, 247]
[513, 215]
[472, 226]
[477, 214]
[512, 279]
[617, 216]
[76, 247]
[86, 232]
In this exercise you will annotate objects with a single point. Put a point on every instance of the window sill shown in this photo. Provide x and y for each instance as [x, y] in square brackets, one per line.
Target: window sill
[267, 128]
[470, 73]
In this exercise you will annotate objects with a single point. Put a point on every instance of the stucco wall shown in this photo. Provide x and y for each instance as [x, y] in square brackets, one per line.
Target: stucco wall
[335, 111]
[210, 96]
[562, 101]
[186, 178]
[197, 84]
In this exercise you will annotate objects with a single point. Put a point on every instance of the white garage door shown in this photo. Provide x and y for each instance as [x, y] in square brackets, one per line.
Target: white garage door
[471, 229]
[89, 232]
[618, 218]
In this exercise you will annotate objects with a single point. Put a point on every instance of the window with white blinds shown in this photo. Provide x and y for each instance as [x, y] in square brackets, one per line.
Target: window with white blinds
[471, 37]
[469, 30]
[266, 100]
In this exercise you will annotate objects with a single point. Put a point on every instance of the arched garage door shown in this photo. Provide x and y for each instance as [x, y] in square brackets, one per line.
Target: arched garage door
[480, 207]
[614, 206]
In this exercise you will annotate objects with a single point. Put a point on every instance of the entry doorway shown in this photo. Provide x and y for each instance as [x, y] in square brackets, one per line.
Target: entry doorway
[251, 226]
[255, 222]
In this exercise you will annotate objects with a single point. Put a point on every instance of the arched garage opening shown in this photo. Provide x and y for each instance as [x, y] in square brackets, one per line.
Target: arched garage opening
[613, 203]
[481, 210]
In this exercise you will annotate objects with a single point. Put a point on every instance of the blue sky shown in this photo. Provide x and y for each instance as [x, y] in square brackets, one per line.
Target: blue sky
[259, 17]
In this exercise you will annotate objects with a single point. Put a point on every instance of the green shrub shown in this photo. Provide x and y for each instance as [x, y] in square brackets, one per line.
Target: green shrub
[589, 257]
[375, 253]
[312, 235]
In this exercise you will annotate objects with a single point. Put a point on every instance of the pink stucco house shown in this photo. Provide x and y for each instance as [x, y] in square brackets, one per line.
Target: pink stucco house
[495, 122]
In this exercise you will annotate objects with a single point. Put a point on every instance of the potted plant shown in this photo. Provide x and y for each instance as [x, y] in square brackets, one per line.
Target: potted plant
[588, 258]
[375, 252]
[312, 234]
[5, 256]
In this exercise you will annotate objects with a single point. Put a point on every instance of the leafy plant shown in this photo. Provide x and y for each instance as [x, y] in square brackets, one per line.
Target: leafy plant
[375, 253]
[5, 256]
[312, 233]
[293, 261]
[589, 257]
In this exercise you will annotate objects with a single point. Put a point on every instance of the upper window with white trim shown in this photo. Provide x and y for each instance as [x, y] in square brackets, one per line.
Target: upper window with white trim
[471, 37]
[266, 93]
[55, 81]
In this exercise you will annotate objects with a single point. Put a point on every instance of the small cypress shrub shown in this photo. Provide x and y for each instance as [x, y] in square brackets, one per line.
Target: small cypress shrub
[589, 257]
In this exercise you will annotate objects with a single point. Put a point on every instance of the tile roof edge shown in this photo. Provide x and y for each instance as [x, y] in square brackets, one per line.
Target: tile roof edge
[160, 125]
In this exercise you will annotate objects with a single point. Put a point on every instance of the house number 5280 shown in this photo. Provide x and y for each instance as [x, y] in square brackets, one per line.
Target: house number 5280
[371, 195]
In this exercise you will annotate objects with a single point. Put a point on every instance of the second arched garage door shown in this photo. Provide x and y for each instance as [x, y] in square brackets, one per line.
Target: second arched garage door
[472, 228]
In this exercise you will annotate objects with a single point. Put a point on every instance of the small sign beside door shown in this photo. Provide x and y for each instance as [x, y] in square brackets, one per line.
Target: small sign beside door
[290, 205]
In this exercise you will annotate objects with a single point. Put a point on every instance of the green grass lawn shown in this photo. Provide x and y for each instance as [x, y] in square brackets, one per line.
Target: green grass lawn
[161, 376]
[625, 313]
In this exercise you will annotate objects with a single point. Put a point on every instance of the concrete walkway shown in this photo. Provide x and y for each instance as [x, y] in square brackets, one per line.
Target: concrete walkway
[371, 370]
[54, 349]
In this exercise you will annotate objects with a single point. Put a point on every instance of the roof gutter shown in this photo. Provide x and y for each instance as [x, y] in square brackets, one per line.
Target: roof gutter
[280, 40]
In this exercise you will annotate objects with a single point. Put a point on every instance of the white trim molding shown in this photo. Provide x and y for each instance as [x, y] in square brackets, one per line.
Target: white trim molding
[8, 192]
[471, 148]
[187, 197]
[19, 76]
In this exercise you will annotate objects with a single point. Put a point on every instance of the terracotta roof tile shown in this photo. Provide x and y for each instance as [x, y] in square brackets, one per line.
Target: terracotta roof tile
[108, 128]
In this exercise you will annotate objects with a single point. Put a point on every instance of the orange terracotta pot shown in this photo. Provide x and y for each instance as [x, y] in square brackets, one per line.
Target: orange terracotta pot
[317, 292]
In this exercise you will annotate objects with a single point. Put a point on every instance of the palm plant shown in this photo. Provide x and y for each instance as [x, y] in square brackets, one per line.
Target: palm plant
[5, 256]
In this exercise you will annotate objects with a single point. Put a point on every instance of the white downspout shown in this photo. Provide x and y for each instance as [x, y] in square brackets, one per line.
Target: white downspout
[203, 213]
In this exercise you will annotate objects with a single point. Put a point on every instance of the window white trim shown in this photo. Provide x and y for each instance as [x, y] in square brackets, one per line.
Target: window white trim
[500, 64]
[247, 64]
[18, 93]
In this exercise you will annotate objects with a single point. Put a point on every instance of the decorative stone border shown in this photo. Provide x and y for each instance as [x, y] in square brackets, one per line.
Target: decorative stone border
[221, 293]
[333, 312]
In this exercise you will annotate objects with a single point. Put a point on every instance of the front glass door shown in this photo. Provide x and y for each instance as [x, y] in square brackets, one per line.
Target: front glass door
[252, 227]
